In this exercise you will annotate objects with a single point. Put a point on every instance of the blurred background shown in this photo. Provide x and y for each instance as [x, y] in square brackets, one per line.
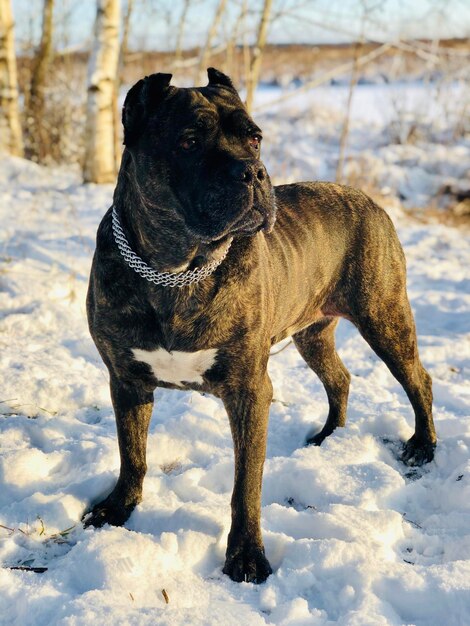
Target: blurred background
[373, 93]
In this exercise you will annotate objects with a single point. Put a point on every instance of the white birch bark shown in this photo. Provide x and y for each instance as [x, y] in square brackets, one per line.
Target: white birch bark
[100, 164]
[11, 137]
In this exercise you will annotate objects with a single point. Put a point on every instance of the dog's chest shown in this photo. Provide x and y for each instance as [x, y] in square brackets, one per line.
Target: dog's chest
[177, 367]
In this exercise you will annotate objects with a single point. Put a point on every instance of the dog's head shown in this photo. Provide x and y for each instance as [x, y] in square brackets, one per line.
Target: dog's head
[197, 152]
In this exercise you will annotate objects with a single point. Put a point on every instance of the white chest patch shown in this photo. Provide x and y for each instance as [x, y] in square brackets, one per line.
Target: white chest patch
[177, 367]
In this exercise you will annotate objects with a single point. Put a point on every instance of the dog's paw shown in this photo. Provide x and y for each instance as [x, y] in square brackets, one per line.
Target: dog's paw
[107, 512]
[416, 453]
[247, 564]
[319, 438]
[316, 440]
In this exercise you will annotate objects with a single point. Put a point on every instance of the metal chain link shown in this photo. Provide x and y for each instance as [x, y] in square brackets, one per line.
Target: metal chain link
[167, 279]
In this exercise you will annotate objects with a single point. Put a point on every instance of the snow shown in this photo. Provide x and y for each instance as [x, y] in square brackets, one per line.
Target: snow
[354, 536]
[403, 138]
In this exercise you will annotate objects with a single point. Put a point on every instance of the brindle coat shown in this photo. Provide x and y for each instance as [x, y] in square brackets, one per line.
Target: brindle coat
[190, 182]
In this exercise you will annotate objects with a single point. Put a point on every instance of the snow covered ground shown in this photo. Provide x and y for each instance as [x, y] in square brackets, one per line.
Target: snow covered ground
[405, 139]
[354, 537]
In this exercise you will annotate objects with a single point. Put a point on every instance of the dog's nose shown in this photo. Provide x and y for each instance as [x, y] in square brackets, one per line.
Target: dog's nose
[260, 173]
[247, 171]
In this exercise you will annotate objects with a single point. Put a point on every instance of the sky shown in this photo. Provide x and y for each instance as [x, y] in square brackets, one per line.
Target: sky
[298, 21]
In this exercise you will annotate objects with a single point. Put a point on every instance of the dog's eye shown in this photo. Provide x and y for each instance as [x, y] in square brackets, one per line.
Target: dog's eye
[187, 144]
[255, 141]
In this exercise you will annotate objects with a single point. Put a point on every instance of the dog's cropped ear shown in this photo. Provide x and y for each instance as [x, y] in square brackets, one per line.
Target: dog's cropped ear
[216, 78]
[132, 112]
[140, 99]
[155, 85]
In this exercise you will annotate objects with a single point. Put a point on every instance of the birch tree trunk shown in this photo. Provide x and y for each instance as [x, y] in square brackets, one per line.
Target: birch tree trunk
[100, 151]
[37, 136]
[253, 77]
[11, 138]
[124, 51]
[123, 54]
[179, 34]
[246, 46]
[232, 41]
[205, 53]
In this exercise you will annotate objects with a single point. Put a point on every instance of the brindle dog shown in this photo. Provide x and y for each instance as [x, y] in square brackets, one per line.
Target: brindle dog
[192, 187]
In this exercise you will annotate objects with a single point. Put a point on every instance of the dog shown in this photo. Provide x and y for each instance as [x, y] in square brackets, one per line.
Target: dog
[201, 265]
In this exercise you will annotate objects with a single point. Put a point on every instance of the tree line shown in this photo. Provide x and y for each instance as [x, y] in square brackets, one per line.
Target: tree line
[61, 105]
[24, 127]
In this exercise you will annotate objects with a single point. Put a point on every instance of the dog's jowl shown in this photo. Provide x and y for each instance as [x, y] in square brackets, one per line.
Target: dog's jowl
[201, 266]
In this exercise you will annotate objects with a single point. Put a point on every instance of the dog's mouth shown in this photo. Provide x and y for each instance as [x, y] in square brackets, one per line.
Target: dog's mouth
[253, 221]
[216, 216]
[259, 215]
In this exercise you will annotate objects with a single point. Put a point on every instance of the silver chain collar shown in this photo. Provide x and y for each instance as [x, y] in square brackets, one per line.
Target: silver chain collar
[167, 279]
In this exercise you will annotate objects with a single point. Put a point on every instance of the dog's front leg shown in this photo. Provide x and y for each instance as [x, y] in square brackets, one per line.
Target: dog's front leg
[133, 410]
[248, 409]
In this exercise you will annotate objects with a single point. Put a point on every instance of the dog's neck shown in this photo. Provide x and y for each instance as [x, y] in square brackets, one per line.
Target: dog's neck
[158, 234]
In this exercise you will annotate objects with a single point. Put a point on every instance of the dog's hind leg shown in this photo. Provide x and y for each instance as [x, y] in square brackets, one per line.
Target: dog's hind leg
[133, 410]
[387, 324]
[316, 345]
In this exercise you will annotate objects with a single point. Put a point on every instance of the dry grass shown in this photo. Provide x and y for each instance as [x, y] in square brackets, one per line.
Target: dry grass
[64, 117]
[171, 467]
